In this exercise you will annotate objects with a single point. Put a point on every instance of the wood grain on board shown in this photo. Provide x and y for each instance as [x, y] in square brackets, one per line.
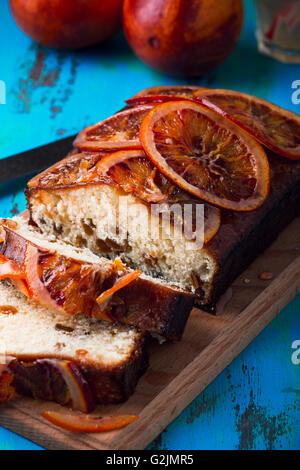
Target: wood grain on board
[179, 372]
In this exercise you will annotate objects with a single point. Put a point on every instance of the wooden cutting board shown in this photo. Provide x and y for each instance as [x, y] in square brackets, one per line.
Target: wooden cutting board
[179, 372]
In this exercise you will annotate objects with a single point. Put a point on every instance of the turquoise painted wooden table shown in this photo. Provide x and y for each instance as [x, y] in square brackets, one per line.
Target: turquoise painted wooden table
[255, 402]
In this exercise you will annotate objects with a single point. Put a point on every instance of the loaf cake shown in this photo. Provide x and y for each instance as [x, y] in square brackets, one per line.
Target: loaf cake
[110, 357]
[74, 279]
[86, 284]
[62, 205]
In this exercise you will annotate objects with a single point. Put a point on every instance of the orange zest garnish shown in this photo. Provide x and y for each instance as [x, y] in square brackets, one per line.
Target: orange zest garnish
[275, 127]
[117, 132]
[123, 281]
[206, 155]
[87, 424]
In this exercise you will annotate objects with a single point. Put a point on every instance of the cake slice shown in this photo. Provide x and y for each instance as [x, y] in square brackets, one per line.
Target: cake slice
[65, 203]
[40, 348]
[71, 280]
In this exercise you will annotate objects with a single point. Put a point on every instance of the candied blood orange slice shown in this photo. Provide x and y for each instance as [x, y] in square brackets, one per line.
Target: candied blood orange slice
[63, 284]
[87, 424]
[69, 286]
[206, 155]
[78, 388]
[275, 127]
[164, 93]
[133, 172]
[116, 132]
[37, 288]
[22, 286]
[10, 269]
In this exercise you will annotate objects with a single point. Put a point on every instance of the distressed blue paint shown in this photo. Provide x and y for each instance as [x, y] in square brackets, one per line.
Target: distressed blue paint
[255, 402]
[263, 382]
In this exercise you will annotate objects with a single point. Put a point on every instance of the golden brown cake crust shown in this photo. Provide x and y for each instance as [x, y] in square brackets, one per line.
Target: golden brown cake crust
[108, 385]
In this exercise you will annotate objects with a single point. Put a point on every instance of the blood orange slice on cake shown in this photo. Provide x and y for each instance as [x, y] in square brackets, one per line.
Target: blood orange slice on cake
[206, 155]
[275, 127]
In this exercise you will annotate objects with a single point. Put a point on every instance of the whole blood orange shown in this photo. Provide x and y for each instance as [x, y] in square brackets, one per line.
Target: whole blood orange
[183, 37]
[68, 24]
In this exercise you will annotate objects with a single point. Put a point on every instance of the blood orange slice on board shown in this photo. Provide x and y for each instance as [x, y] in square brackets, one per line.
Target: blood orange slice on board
[160, 94]
[117, 132]
[85, 423]
[206, 155]
[275, 127]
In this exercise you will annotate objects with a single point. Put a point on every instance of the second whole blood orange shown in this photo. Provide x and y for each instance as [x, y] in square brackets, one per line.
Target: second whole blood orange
[183, 37]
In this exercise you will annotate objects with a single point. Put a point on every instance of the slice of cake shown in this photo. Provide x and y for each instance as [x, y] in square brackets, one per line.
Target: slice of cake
[71, 280]
[45, 351]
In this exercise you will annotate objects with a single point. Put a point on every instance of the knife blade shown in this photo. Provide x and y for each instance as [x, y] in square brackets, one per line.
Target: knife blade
[34, 160]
